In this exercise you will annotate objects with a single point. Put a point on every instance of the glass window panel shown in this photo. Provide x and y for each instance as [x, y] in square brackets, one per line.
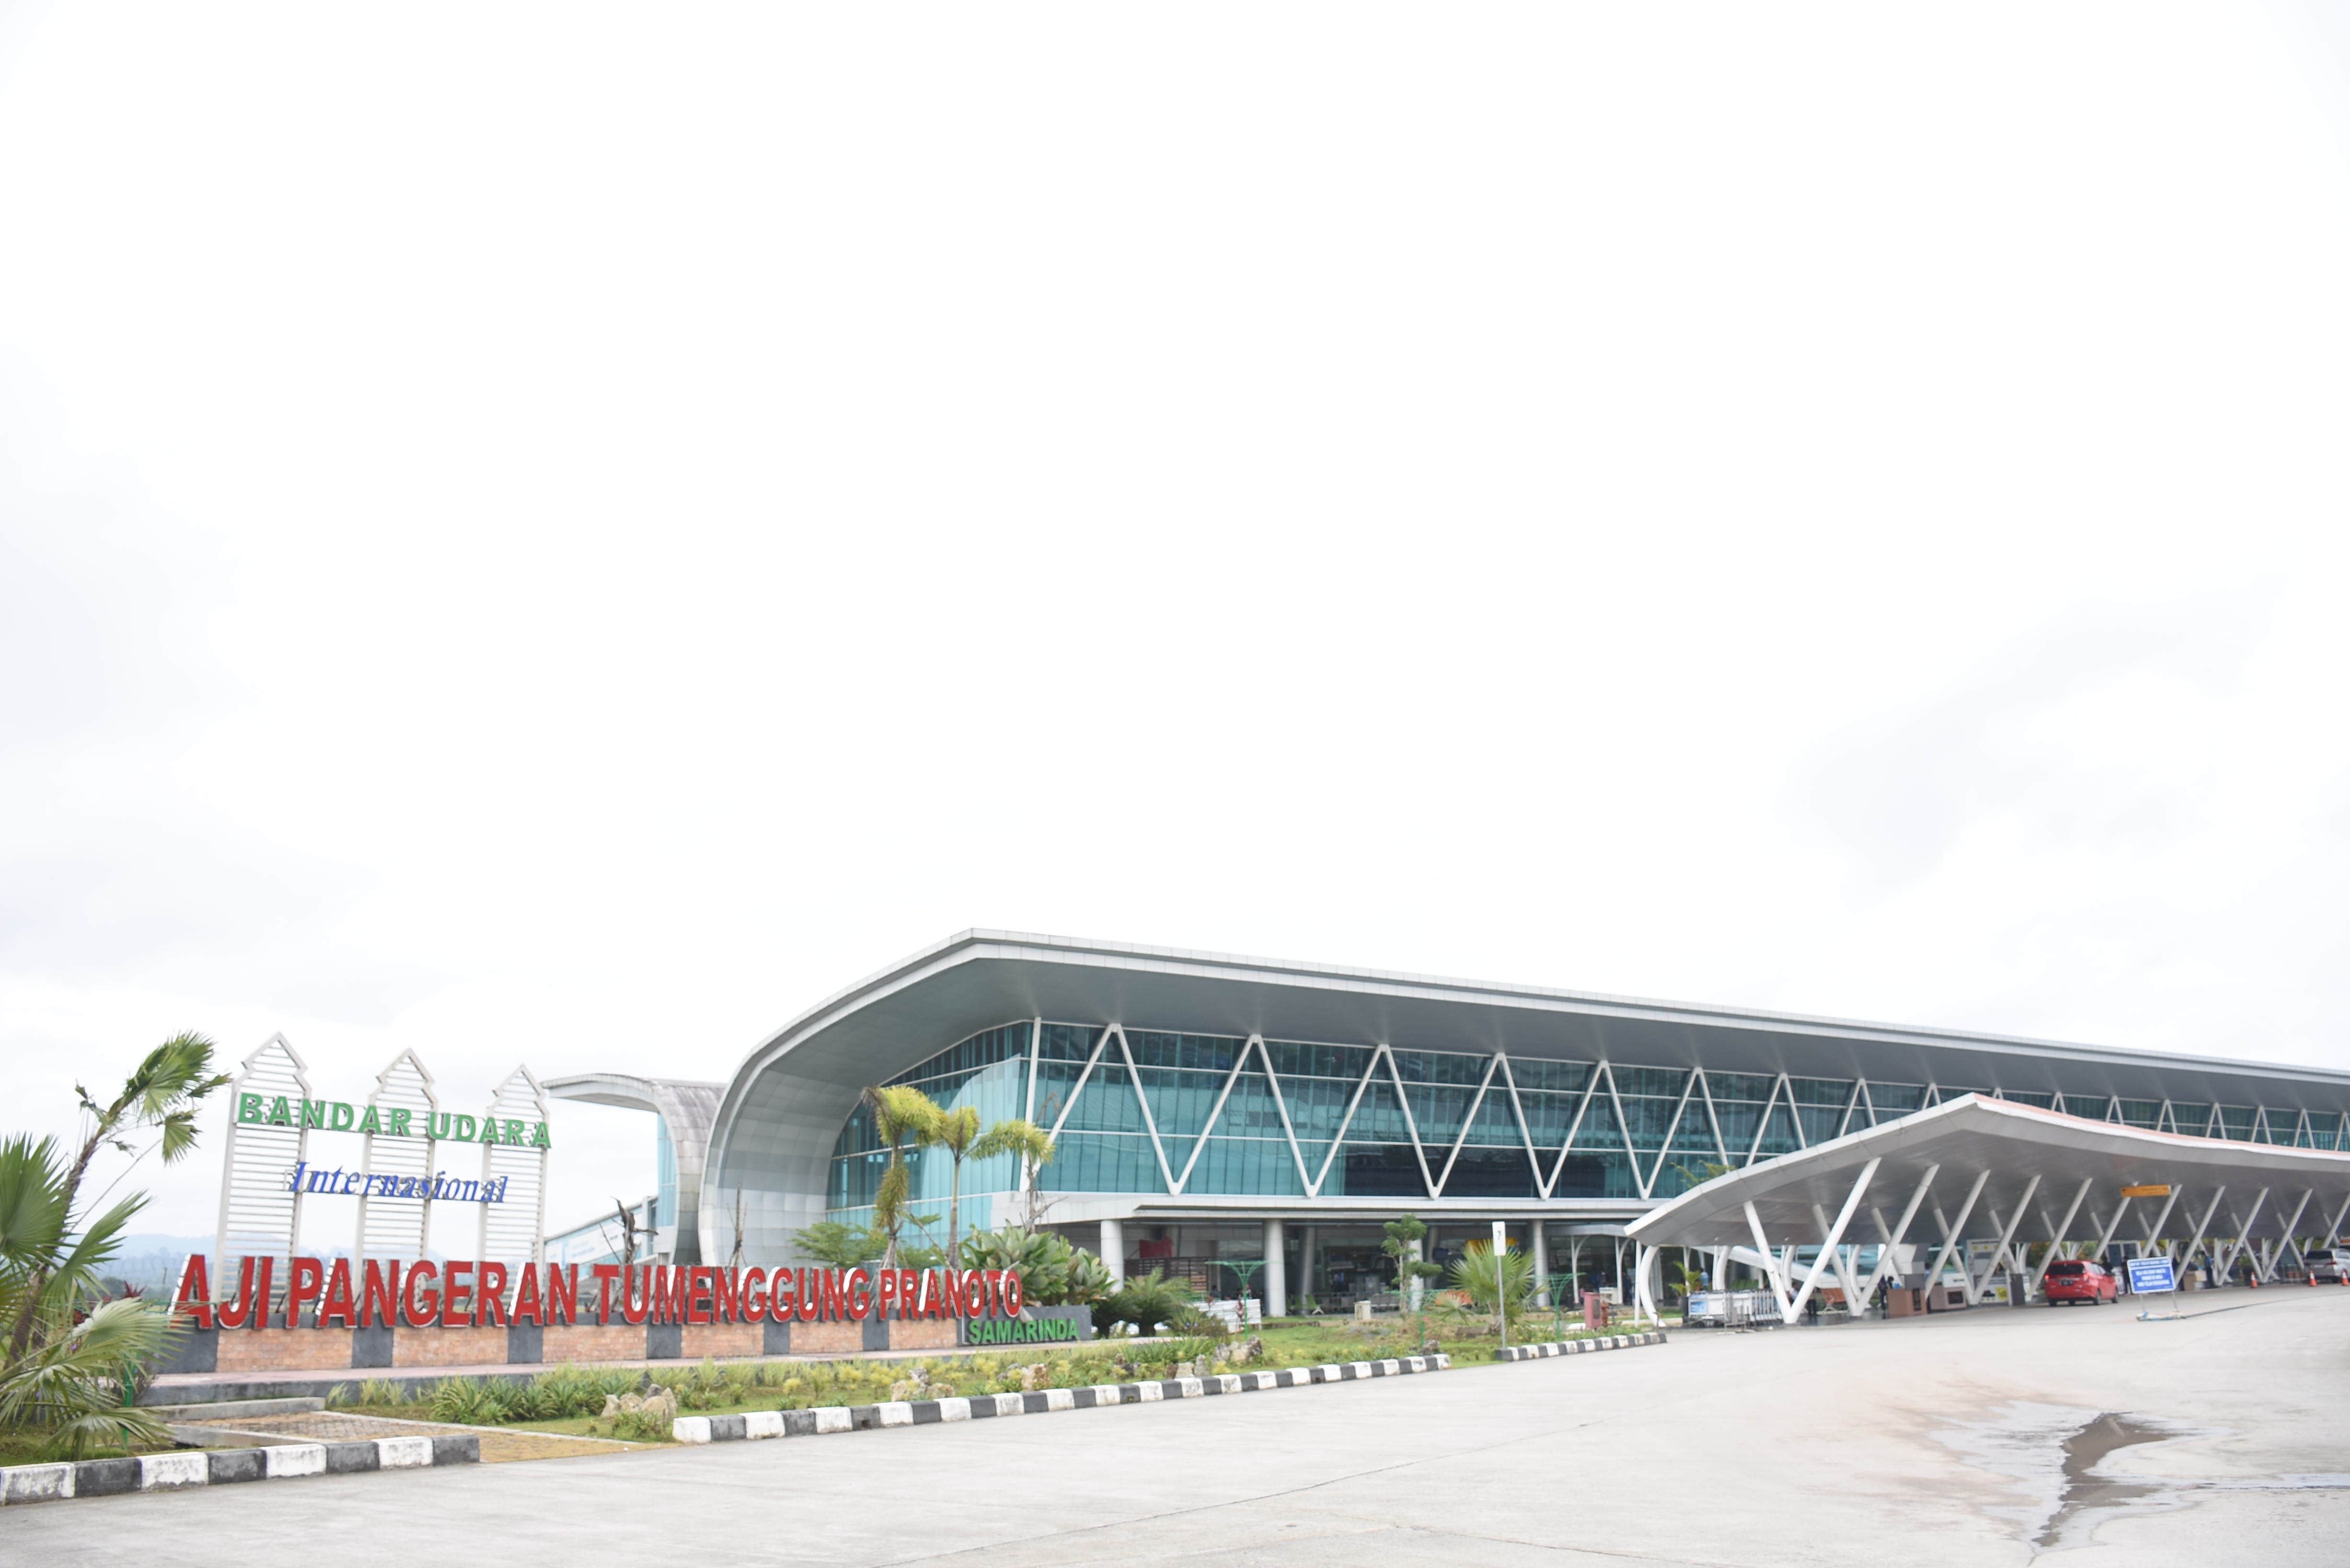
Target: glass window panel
[1648, 1120]
[1779, 1133]
[1896, 1099]
[1067, 1042]
[2090, 1105]
[1438, 1067]
[1659, 1083]
[1378, 1119]
[1180, 1102]
[1555, 1077]
[2142, 1113]
[2236, 1123]
[1316, 1105]
[1437, 1111]
[1245, 1166]
[1753, 1086]
[1488, 1172]
[1821, 1091]
[1596, 1175]
[1375, 1170]
[1601, 1128]
[1106, 1103]
[1548, 1116]
[1292, 1059]
[2029, 1098]
[1495, 1123]
[1820, 1123]
[1741, 1120]
[1103, 1162]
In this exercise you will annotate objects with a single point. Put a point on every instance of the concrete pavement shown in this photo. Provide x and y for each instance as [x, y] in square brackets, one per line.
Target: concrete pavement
[1931, 1440]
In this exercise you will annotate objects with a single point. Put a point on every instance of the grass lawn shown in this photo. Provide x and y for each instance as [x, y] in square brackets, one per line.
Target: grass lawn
[571, 1399]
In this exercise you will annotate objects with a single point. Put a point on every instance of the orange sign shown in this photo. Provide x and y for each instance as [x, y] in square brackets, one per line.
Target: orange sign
[2146, 1192]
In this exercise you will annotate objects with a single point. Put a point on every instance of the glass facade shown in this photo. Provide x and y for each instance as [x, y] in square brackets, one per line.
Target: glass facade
[1146, 1111]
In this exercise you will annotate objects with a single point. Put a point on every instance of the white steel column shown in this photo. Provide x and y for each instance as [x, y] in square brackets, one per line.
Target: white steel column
[2170, 1202]
[2243, 1239]
[2268, 1274]
[1835, 1236]
[2105, 1231]
[1837, 1262]
[1774, 1276]
[1952, 1234]
[2063, 1226]
[1542, 1264]
[2187, 1259]
[1999, 1254]
[1891, 1241]
[1276, 1269]
[1113, 1249]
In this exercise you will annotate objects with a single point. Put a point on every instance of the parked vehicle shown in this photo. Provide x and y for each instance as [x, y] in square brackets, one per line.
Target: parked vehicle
[2078, 1280]
[2330, 1267]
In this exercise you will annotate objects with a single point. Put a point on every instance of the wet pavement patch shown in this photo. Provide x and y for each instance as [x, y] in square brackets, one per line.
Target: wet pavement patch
[2059, 1457]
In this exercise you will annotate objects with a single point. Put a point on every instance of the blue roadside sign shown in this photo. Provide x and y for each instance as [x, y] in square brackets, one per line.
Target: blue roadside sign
[2150, 1276]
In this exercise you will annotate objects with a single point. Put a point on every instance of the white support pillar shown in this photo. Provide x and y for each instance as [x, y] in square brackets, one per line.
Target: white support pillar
[1975, 1287]
[2063, 1226]
[1891, 1241]
[1276, 1269]
[1952, 1234]
[1113, 1249]
[2154, 1231]
[1418, 1284]
[1829, 1242]
[1309, 1263]
[2187, 1259]
[1835, 1261]
[2105, 1231]
[1774, 1276]
[1720, 1268]
[1542, 1265]
[1646, 1262]
[2333, 1226]
[2243, 1238]
[2268, 1265]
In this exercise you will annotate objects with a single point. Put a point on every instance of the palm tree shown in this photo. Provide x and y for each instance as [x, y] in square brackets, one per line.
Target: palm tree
[957, 1132]
[901, 1116]
[1033, 1144]
[66, 1378]
[161, 1092]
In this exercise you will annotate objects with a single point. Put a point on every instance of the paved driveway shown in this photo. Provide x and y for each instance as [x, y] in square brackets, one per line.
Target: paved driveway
[1936, 1440]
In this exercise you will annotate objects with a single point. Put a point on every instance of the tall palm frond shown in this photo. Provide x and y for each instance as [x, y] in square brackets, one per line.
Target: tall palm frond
[69, 1384]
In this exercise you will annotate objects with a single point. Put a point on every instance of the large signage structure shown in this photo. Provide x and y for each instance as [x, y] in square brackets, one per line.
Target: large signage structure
[418, 1176]
[481, 1292]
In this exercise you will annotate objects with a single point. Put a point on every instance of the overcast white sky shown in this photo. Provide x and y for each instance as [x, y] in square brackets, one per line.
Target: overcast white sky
[565, 535]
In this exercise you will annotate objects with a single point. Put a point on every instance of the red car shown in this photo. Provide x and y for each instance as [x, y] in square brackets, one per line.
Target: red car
[2080, 1281]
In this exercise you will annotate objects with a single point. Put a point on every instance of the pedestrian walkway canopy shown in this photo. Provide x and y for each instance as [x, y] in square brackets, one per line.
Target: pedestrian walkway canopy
[1983, 1168]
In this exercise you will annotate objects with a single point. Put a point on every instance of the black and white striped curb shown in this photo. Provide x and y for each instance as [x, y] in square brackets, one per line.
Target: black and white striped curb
[1578, 1347]
[982, 1406]
[184, 1467]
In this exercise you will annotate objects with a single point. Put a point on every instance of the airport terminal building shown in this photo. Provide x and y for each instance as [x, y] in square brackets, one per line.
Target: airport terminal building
[1211, 1110]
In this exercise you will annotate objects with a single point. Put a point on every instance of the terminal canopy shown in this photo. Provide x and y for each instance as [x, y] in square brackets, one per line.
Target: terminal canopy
[1982, 1169]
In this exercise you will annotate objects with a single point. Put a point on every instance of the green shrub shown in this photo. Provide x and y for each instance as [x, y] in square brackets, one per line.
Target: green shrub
[640, 1426]
[468, 1402]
